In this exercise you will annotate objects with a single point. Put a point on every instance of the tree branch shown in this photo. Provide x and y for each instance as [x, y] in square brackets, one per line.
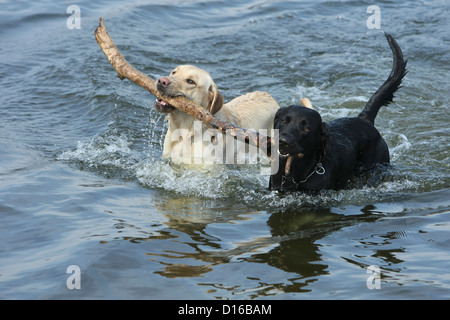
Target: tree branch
[125, 70]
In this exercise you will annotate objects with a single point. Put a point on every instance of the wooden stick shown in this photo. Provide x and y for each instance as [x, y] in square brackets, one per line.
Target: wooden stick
[125, 70]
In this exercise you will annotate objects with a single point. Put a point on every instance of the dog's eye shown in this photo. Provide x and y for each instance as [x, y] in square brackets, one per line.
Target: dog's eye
[285, 120]
[306, 129]
[173, 72]
[190, 81]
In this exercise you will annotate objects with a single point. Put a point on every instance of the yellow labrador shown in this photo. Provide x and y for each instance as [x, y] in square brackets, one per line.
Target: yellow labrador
[186, 140]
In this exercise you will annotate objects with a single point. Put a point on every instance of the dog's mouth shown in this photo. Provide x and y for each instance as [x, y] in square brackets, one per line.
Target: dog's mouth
[283, 154]
[289, 158]
[163, 106]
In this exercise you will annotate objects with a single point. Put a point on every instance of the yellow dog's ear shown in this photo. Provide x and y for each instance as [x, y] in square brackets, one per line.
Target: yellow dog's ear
[306, 103]
[215, 99]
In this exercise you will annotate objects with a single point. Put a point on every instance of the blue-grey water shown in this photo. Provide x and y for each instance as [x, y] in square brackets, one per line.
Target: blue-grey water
[82, 182]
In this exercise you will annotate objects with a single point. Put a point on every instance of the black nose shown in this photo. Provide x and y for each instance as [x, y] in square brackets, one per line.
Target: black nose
[283, 144]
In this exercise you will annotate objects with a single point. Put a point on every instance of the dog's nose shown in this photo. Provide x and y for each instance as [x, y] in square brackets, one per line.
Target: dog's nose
[283, 143]
[163, 81]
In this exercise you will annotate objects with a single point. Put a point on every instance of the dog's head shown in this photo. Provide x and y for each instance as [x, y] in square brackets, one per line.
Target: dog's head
[193, 83]
[301, 132]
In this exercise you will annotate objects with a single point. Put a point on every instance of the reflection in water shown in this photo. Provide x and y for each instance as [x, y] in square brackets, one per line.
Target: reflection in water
[201, 238]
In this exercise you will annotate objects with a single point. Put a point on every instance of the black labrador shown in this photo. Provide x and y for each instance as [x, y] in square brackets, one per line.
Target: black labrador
[314, 155]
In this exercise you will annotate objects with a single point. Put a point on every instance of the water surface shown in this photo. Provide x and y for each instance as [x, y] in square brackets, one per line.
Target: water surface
[82, 182]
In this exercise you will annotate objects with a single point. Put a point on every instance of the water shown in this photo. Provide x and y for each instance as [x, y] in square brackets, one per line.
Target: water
[82, 182]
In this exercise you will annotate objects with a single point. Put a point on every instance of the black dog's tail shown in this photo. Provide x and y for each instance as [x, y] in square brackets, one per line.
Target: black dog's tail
[385, 94]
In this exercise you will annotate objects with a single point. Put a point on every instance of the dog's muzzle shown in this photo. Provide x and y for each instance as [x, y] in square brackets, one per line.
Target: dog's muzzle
[287, 167]
[163, 107]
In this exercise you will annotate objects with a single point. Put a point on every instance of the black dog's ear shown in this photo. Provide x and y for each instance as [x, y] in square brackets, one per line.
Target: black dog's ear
[324, 136]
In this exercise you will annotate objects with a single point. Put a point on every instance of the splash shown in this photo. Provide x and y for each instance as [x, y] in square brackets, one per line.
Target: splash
[113, 156]
[108, 155]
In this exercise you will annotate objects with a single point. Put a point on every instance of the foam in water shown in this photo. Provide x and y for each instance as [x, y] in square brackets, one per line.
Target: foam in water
[113, 156]
[402, 145]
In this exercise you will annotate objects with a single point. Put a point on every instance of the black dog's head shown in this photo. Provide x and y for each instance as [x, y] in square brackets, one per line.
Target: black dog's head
[301, 132]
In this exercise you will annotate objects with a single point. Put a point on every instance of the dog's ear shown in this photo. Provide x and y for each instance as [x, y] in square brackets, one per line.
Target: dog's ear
[215, 99]
[324, 136]
[306, 103]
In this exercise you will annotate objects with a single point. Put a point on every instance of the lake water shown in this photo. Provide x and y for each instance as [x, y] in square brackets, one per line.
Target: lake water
[82, 182]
